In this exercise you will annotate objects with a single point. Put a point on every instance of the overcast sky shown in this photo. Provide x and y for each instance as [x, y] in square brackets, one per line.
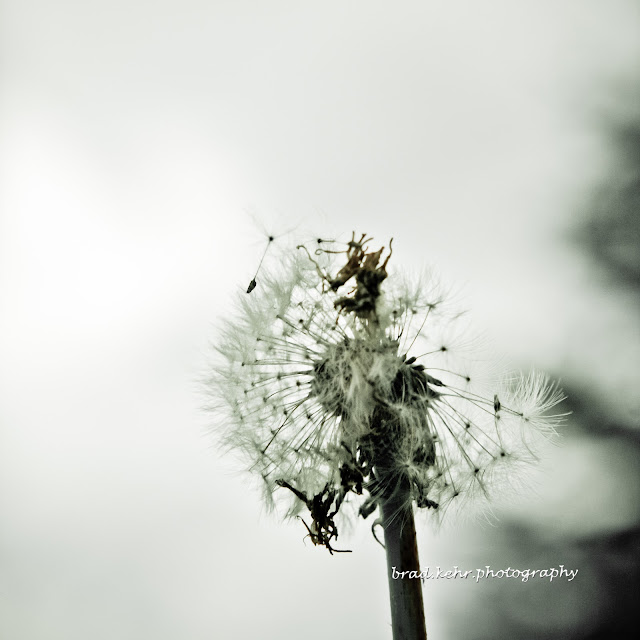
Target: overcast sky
[137, 141]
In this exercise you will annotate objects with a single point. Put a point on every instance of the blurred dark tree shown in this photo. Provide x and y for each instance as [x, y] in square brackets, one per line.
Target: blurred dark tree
[609, 588]
[611, 230]
[610, 234]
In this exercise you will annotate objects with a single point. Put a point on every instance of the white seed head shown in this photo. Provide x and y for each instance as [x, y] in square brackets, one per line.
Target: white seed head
[334, 395]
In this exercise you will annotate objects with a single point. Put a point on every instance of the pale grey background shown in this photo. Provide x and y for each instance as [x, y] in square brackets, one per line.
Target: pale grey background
[136, 138]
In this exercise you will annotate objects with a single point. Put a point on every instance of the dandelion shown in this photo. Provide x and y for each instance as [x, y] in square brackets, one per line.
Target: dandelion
[347, 392]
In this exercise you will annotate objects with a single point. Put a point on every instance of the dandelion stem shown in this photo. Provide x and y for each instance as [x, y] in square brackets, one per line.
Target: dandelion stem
[407, 608]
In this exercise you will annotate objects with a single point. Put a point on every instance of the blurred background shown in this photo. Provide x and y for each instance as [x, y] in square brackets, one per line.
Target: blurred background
[498, 141]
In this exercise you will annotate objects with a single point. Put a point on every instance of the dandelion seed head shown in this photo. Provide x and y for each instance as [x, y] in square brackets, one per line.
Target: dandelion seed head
[339, 380]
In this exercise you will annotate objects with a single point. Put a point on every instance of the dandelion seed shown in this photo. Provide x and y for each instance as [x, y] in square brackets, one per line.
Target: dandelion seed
[270, 237]
[341, 392]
